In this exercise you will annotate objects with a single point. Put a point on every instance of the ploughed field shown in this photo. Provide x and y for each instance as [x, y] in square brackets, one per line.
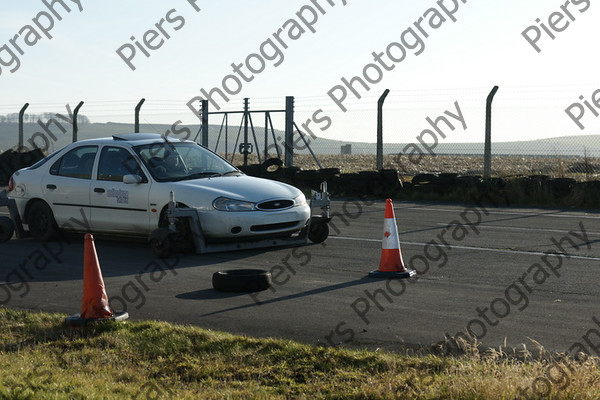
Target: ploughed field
[579, 168]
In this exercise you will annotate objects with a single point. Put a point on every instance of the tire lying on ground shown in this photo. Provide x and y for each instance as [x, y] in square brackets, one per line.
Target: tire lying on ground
[7, 229]
[242, 280]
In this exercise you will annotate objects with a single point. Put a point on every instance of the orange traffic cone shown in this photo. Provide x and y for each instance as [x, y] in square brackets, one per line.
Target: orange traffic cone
[94, 304]
[391, 264]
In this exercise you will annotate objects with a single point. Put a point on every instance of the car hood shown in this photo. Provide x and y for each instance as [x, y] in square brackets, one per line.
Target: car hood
[240, 187]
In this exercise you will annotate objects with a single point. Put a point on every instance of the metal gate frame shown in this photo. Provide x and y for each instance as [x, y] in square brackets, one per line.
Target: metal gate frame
[247, 125]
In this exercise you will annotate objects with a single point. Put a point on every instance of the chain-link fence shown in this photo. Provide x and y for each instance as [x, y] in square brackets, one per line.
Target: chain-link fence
[443, 131]
[424, 131]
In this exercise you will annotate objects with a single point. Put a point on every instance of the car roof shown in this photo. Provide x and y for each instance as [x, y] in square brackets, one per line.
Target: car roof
[133, 139]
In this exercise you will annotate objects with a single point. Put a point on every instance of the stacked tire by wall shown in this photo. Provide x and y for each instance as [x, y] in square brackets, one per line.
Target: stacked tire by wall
[534, 190]
[537, 190]
[365, 183]
[12, 161]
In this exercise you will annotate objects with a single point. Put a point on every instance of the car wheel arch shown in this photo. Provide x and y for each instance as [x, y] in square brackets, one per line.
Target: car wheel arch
[163, 211]
[183, 239]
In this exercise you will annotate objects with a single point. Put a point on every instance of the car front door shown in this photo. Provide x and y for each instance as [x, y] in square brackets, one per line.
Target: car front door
[117, 206]
[67, 188]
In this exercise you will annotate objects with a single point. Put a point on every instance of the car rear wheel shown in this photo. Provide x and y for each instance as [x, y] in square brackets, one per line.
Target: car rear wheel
[42, 224]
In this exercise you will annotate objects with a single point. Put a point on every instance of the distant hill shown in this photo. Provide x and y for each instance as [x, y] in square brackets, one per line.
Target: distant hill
[563, 146]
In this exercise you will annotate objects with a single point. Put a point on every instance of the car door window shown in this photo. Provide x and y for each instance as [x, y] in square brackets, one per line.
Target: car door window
[77, 163]
[116, 162]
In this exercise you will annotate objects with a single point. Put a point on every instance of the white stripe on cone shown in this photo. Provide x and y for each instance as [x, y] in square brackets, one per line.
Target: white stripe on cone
[390, 234]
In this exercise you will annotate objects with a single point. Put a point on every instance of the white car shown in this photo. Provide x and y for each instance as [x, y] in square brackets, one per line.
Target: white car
[121, 185]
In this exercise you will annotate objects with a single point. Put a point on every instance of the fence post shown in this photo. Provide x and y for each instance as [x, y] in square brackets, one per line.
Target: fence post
[289, 131]
[246, 115]
[487, 153]
[205, 124]
[380, 129]
[21, 115]
[75, 112]
[136, 128]
[267, 135]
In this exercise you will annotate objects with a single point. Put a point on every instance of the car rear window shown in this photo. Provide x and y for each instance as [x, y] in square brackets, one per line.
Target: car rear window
[44, 160]
[77, 163]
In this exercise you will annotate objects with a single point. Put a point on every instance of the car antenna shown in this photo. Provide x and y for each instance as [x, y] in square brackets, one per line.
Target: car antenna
[171, 145]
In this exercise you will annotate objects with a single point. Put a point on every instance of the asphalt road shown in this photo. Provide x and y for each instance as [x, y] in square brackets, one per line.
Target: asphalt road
[508, 275]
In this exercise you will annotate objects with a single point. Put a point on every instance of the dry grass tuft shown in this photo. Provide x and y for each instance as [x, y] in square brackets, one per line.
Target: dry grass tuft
[41, 358]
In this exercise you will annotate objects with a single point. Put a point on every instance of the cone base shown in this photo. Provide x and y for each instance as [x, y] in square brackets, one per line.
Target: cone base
[76, 320]
[409, 273]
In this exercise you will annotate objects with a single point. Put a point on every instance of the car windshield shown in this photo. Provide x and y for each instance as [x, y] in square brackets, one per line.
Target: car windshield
[170, 162]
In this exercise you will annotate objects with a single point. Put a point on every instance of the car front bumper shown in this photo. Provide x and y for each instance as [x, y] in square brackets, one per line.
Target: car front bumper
[253, 224]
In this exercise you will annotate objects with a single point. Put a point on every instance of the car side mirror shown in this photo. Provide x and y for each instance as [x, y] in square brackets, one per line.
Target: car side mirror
[131, 179]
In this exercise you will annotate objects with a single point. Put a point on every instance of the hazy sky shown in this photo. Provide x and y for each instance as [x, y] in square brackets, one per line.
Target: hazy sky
[458, 62]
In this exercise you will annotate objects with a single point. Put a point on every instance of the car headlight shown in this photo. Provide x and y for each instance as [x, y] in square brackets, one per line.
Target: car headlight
[225, 204]
[300, 201]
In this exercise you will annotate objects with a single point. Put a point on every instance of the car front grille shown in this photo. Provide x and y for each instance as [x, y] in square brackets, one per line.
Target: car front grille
[273, 227]
[272, 205]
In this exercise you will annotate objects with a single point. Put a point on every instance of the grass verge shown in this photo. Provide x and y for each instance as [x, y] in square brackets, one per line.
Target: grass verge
[42, 358]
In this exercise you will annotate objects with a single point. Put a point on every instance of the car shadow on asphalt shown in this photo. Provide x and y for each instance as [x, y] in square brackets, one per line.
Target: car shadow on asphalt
[32, 261]
[312, 292]
[208, 294]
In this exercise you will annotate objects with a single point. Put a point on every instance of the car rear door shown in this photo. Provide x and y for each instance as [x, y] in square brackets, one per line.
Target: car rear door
[66, 187]
[116, 206]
